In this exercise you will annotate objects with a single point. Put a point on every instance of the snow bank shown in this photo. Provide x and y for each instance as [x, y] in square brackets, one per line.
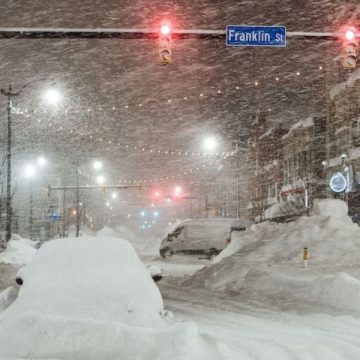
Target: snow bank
[7, 297]
[264, 264]
[91, 298]
[126, 233]
[18, 251]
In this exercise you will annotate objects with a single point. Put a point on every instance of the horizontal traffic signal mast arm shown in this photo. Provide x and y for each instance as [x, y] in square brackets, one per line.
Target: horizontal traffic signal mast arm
[133, 33]
[88, 187]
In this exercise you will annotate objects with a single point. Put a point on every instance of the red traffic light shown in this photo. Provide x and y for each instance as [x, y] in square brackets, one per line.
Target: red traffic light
[165, 44]
[349, 47]
[350, 34]
[156, 195]
[165, 29]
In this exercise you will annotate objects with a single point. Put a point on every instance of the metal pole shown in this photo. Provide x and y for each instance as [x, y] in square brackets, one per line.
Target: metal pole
[64, 213]
[31, 217]
[8, 179]
[9, 95]
[48, 232]
[77, 201]
[237, 181]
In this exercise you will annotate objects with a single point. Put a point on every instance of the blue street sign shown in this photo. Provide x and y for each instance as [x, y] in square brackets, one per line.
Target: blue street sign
[248, 35]
[54, 217]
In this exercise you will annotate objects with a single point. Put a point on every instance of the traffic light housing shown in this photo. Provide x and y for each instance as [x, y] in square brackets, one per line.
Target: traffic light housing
[349, 48]
[165, 40]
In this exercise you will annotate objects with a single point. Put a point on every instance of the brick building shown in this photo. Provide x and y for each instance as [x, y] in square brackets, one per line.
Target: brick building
[304, 149]
[343, 136]
[265, 166]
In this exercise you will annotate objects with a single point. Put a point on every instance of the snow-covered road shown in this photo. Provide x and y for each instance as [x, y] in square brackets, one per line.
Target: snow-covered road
[248, 333]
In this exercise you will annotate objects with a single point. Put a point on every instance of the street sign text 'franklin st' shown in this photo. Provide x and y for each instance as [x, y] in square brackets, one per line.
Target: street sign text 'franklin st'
[247, 35]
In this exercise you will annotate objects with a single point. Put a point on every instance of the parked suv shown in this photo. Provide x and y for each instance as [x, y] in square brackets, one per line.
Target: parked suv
[200, 237]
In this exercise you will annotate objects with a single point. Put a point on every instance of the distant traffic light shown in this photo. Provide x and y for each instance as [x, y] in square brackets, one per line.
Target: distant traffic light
[165, 40]
[349, 48]
[156, 195]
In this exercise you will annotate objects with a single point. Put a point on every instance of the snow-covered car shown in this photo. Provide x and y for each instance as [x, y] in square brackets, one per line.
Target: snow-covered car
[90, 298]
[200, 237]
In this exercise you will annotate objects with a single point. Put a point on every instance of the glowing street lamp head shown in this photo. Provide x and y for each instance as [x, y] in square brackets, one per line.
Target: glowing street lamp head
[178, 190]
[97, 165]
[30, 171]
[210, 143]
[100, 180]
[53, 96]
[41, 161]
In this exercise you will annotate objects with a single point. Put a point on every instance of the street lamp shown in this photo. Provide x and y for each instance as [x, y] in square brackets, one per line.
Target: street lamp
[10, 94]
[41, 161]
[97, 165]
[52, 96]
[100, 179]
[30, 173]
[210, 144]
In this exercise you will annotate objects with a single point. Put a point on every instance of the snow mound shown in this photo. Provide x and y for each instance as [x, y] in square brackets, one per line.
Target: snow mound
[331, 207]
[7, 297]
[107, 232]
[18, 251]
[126, 233]
[264, 265]
[341, 291]
[91, 298]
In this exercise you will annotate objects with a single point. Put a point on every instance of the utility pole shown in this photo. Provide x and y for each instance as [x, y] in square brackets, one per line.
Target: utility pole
[64, 214]
[77, 200]
[9, 94]
[237, 181]
[31, 213]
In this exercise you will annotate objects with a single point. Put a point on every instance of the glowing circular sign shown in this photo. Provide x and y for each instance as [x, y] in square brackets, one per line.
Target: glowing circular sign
[338, 182]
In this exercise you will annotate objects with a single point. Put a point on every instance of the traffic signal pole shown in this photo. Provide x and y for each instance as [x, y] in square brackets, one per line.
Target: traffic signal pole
[134, 33]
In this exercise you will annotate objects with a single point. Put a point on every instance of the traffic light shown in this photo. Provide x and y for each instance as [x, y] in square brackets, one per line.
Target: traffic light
[156, 195]
[165, 40]
[349, 51]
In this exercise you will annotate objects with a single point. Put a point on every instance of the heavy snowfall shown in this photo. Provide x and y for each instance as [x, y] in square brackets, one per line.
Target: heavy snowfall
[180, 180]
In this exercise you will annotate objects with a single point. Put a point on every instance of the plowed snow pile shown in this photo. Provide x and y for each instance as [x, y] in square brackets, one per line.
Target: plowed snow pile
[264, 265]
[18, 251]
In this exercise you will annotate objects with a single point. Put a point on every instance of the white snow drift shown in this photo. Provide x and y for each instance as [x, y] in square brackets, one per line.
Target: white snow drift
[264, 265]
[19, 251]
[92, 298]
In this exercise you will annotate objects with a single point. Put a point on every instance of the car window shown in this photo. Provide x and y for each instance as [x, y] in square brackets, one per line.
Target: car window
[205, 231]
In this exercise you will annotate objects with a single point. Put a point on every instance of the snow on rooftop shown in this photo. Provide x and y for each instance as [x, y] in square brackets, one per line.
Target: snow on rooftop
[302, 123]
[267, 133]
[338, 88]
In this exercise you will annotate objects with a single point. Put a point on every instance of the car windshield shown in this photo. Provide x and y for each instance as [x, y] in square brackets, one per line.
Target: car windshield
[212, 146]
